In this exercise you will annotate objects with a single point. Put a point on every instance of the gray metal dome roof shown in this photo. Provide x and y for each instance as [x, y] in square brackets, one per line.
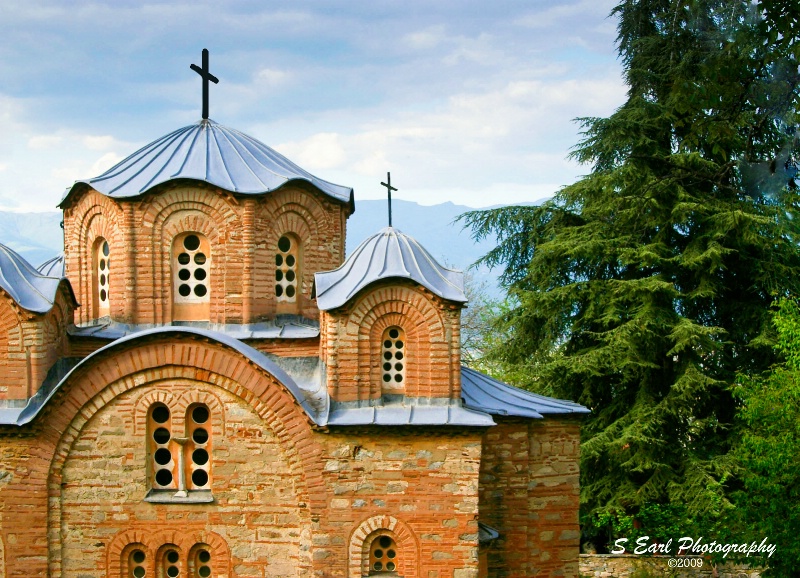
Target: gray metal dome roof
[54, 267]
[387, 254]
[27, 287]
[209, 152]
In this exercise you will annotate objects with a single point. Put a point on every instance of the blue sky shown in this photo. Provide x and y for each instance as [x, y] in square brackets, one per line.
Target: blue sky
[465, 101]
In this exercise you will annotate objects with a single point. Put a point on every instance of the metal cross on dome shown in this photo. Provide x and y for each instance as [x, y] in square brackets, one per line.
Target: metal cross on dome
[389, 189]
[206, 76]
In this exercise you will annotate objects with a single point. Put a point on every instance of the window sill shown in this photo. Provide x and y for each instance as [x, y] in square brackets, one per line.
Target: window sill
[173, 497]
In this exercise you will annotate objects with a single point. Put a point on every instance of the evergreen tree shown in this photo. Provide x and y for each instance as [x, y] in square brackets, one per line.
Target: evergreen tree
[644, 288]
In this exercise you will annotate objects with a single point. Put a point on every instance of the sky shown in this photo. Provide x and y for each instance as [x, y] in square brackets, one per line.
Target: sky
[469, 101]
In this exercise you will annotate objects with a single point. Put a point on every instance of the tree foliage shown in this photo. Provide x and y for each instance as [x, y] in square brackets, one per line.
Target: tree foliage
[643, 289]
[768, 503]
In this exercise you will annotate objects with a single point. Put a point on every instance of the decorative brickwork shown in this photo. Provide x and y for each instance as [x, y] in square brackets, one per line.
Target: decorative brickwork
[374, 527]
[353, 338]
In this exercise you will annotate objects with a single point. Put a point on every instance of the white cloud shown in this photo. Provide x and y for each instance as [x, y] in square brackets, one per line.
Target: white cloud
[320, 151]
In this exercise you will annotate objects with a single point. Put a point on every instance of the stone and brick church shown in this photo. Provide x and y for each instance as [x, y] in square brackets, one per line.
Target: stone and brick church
[203, 385]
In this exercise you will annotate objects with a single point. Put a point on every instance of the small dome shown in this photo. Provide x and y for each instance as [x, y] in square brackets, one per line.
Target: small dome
[209, 152]
[387, 254]
[27, 287]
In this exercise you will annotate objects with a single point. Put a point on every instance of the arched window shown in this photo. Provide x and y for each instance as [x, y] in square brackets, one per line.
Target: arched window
[199, 447]
[393, 359]
[287, 272]
[171, 563]
[191, 267]
[200, 561]
[101, 261]
[136, 561]
[383, 555]
[164, 463]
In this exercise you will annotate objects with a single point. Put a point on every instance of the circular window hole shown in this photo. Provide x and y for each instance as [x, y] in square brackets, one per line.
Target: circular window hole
[200, 457]
[199, 274]
[199, 478]
[184, 258]
[200, 290]
[184, 274]
[204, 556]
[378, 553]
[394, 333]
[200, 414]
[279, 275]
[184, 290]
[200, 436]
[378, 565]
[279, 260]
[398, 355]
[102, 279]
[387, 344]
[387, 355]
[398, 366]
[160, 414]
[390, 566]
[385, 541]
[138, 556]
[399, 345]
[290, 275]
[191, 242]
[284, 244]
[391, 554]
[387, 366]
[163, 477]
[200, 259]
[161, 435]
[103, 295]
[172, 571]
[278, 290]
[398, 378]
[387, 378]
[290, 260]
[172, 557]
[102, 264]
[204, 571]
[162, 456]
[290, 291]
[106, 249]
[138, 572]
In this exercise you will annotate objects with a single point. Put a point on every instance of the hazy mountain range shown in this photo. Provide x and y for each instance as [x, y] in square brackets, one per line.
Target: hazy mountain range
[38, 236]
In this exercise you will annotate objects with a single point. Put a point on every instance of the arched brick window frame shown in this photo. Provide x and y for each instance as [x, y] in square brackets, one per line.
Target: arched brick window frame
[101, 278]
[191, 277]
[373, 528]
[288, 282]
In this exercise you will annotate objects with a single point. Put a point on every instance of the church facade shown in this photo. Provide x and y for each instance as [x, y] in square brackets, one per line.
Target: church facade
[204, 386]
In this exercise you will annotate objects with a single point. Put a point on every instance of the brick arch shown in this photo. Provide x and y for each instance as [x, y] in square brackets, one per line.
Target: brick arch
[428, 348]
[95, 216]
[143, 404]
[116, 370]
[371, 528]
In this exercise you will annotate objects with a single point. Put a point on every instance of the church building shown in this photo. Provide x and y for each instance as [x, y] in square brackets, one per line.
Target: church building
[203, 385]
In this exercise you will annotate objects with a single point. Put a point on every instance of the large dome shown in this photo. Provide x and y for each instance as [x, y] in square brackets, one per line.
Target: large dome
[209, 152]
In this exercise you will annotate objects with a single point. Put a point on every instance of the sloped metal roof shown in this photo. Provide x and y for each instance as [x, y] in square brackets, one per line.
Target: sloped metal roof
[387, 254]
[275, 329]
[314, 401]
[394, 414]
[485, 393]
[54, 267]
[29, 288]
[212, 153]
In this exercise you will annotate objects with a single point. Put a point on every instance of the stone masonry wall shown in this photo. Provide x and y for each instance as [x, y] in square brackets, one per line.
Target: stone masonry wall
[628, 565]
[529, 492]
[242, 231]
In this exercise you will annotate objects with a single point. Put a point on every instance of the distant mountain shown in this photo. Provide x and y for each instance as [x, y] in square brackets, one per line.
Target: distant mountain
[38, 236]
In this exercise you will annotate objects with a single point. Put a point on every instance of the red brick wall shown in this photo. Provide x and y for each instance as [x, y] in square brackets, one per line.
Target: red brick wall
[243, 233]
[530, 493]
[351, 343]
